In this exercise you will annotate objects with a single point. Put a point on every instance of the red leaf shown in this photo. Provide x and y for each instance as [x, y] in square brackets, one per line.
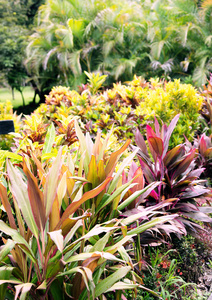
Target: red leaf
[7, 206]
[202, 145]
[36, 199]
[140, 142]
[157, 145]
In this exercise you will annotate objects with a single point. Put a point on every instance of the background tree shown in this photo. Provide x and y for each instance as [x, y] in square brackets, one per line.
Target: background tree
[16, 21]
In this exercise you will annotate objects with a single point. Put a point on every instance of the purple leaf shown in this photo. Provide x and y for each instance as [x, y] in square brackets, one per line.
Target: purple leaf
[157, 145]
[157, 127]
[148, 174]
[172, 155]
[140, 142]
[169, 132]
[196, 190]
[185, 163]
[198, 216]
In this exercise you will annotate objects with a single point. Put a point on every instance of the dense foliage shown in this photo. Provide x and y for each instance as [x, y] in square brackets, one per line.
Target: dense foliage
[126, 107]
[120, 38]
[79, 208]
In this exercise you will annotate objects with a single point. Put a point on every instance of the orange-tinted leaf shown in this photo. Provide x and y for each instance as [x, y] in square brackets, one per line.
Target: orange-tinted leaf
[113, 159]
[40, 170]
[172, 155]
[54, 216]
[50, 188]
[157, 145]
[7, 206]
[183, 166]
[92, 172]
[75, 205]
[36, 198]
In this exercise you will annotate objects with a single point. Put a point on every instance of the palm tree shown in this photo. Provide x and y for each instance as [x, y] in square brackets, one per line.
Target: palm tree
[73, 36]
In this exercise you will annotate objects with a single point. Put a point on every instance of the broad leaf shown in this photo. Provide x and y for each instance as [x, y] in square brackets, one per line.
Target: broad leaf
[108, 282]
[75, 205]
[49, 140]
[36, 199]
[50, 187]
[57, 238]
[19, 190]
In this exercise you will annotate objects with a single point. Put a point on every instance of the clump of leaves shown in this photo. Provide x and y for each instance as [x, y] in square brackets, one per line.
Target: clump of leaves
[58, 95]
[203, 144]
[206, 110]
[165, 100]
[57, 249]
[175, 169]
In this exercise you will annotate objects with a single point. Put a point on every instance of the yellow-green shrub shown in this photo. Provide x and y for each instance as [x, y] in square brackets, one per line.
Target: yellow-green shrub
[6, 113]
[129, 106]
[167, 100]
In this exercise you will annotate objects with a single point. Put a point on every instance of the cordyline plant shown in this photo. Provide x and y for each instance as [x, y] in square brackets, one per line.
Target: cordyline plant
[203, 144]
[56, 248]
[175, 169]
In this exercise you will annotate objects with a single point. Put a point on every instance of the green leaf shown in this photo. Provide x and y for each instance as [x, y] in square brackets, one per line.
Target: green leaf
[5, 274]
[113, 196]
[97, 254]
[122, 286]
[124, 164]
[7, 154]
[108, 282]
[19, 190]
[136, 194]
[18, 239]
[49, 140]
[150, 224]
[101, 243]
[5, 249]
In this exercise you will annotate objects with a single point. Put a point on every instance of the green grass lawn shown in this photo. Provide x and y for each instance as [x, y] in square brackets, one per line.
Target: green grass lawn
[6, 94]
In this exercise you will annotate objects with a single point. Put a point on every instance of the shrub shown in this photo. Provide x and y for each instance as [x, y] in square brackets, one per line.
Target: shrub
[128, 106]
[6, 113]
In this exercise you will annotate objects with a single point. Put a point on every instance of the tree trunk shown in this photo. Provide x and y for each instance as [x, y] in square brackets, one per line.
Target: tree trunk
[22, 96]
[13, 95]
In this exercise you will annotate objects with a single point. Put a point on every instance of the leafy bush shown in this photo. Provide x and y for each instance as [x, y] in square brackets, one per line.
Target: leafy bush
[127, 107]
[6, 113]
[54, 201]
[175, 170]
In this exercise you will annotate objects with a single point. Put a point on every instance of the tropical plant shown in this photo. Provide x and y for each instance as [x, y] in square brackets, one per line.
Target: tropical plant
[203, 160]
[57, 247]
[175, 169]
